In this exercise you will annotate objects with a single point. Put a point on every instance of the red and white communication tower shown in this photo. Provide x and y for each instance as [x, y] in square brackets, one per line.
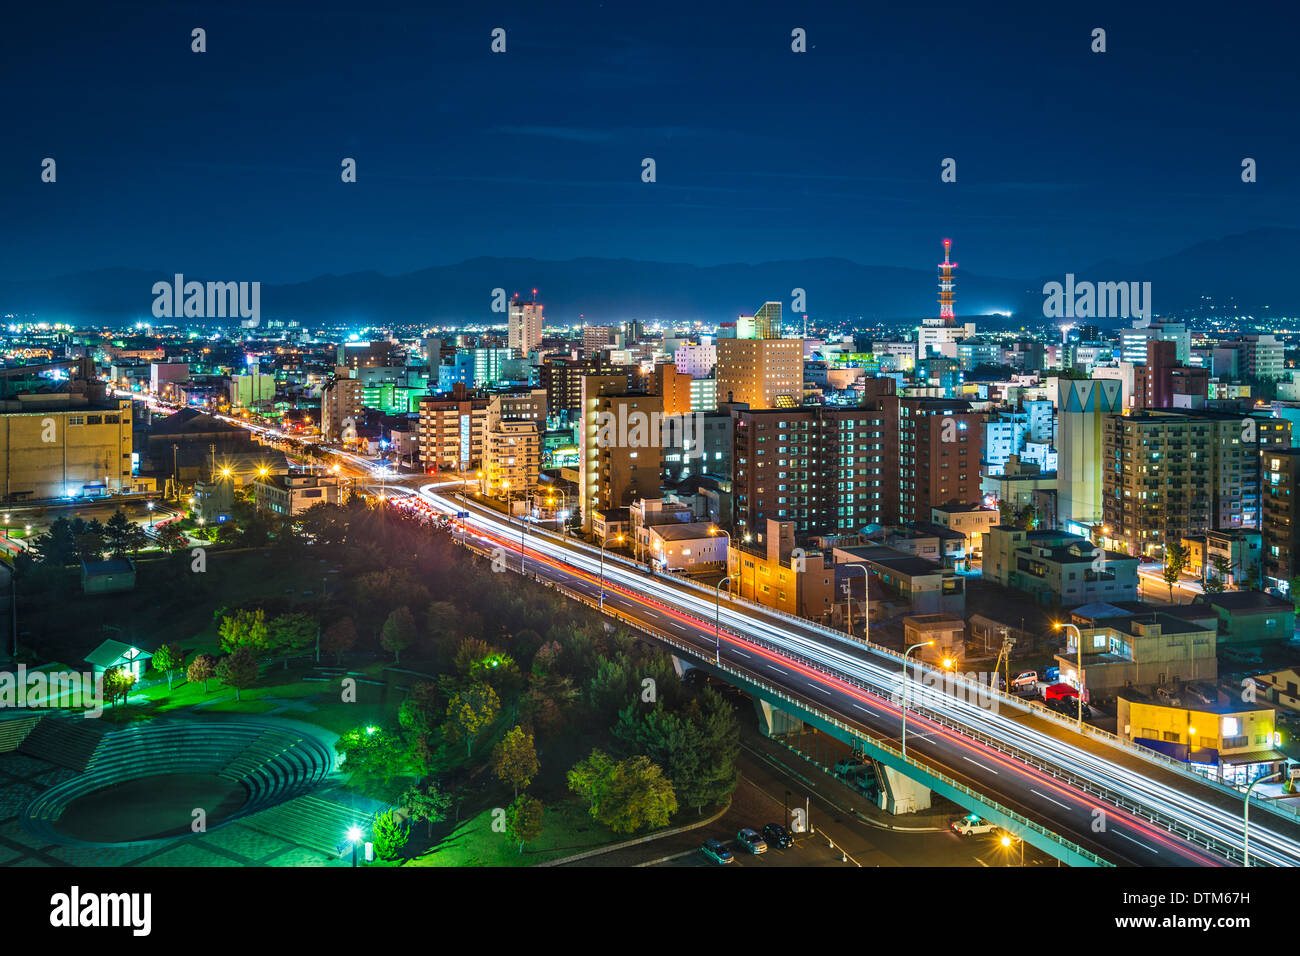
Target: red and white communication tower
[946, 310]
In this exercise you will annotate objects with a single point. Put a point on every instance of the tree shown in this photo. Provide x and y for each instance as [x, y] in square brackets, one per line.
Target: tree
[117, 531]
[390, 833]
[636, 796]
[170, 537]
[697, 748]
[421, 708]
[514, 760]
[339, 638]
[1222, 567]
[470, 653]
[244, 628]
[238, 669]
[291, 632]
[470, 710]
[118, 682]
[589, 778]
[1214, 584]
[168, 659]
[398, 632]
[524, 820]
[202, 668]
[428, 804]
[1175, 562]
[372, 755]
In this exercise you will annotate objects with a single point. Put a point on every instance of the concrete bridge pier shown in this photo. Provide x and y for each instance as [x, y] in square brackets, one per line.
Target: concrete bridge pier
[773, 722]
[900, 794]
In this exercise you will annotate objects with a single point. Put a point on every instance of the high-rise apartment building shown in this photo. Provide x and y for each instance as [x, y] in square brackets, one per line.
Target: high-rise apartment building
[512, 458]
[1279, 526]
[562, 379]
[597, 338]
[341, 407]
[620, 455]
[761, 373]
[824, 468]
[451, 430]
[524, 325]
[1171, 474]
[940, 446]
[696, 361]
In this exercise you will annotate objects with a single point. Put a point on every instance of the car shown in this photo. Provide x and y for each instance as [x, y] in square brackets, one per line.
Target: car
[778, 836]
[751, 841]
[717, 851]
[971, 825]
[1052, 674]
[1024, 680]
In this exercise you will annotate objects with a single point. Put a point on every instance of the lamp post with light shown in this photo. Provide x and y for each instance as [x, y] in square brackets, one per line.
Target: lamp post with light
[604, 539]
[903, 736]
[717, 612]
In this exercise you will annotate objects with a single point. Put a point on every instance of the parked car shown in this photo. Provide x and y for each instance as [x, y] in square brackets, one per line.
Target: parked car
[751, 841]
[1052, 674]
[1025, 680]
[778, 836]
[971, 825]
[717, 851]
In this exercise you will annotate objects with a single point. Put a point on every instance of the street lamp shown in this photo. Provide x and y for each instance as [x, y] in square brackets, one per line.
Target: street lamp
[354, 837]
[717, 610]
[866, 600]
[726, 561]
[1245, 817]
[603, 541]
[905, 656]
[1078, 637]
[6, 524]
[150, 507]
[1006, 845]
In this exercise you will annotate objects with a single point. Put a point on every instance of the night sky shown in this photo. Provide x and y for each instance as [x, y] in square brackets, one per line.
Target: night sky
[227, 163]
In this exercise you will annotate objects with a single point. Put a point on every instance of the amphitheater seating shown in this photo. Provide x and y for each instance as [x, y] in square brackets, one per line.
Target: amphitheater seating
[14, 730]
[275, 764]
[314, 821]
[67, 741]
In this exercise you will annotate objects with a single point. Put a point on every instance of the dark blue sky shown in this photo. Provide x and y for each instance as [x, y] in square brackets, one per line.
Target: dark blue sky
[227, 163]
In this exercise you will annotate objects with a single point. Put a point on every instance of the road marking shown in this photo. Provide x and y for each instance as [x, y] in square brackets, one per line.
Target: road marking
[1064, 806]
[735, 651]
[978, 764]
[775, 668]
[861, 708]
[1138, 842]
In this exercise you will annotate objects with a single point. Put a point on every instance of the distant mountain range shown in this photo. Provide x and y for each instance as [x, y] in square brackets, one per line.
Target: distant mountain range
[1252, 270]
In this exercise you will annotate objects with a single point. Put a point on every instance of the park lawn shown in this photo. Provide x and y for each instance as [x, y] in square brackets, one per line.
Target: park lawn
[567, 828]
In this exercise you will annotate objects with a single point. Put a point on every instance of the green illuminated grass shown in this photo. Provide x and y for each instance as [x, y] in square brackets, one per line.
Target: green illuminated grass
[567, 828]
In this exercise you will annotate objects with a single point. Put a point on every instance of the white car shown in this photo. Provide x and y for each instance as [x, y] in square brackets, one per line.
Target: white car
[972, 826]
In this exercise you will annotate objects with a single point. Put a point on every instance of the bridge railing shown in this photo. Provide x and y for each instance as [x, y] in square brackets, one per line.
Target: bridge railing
[1106, 737]
[747, 677]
